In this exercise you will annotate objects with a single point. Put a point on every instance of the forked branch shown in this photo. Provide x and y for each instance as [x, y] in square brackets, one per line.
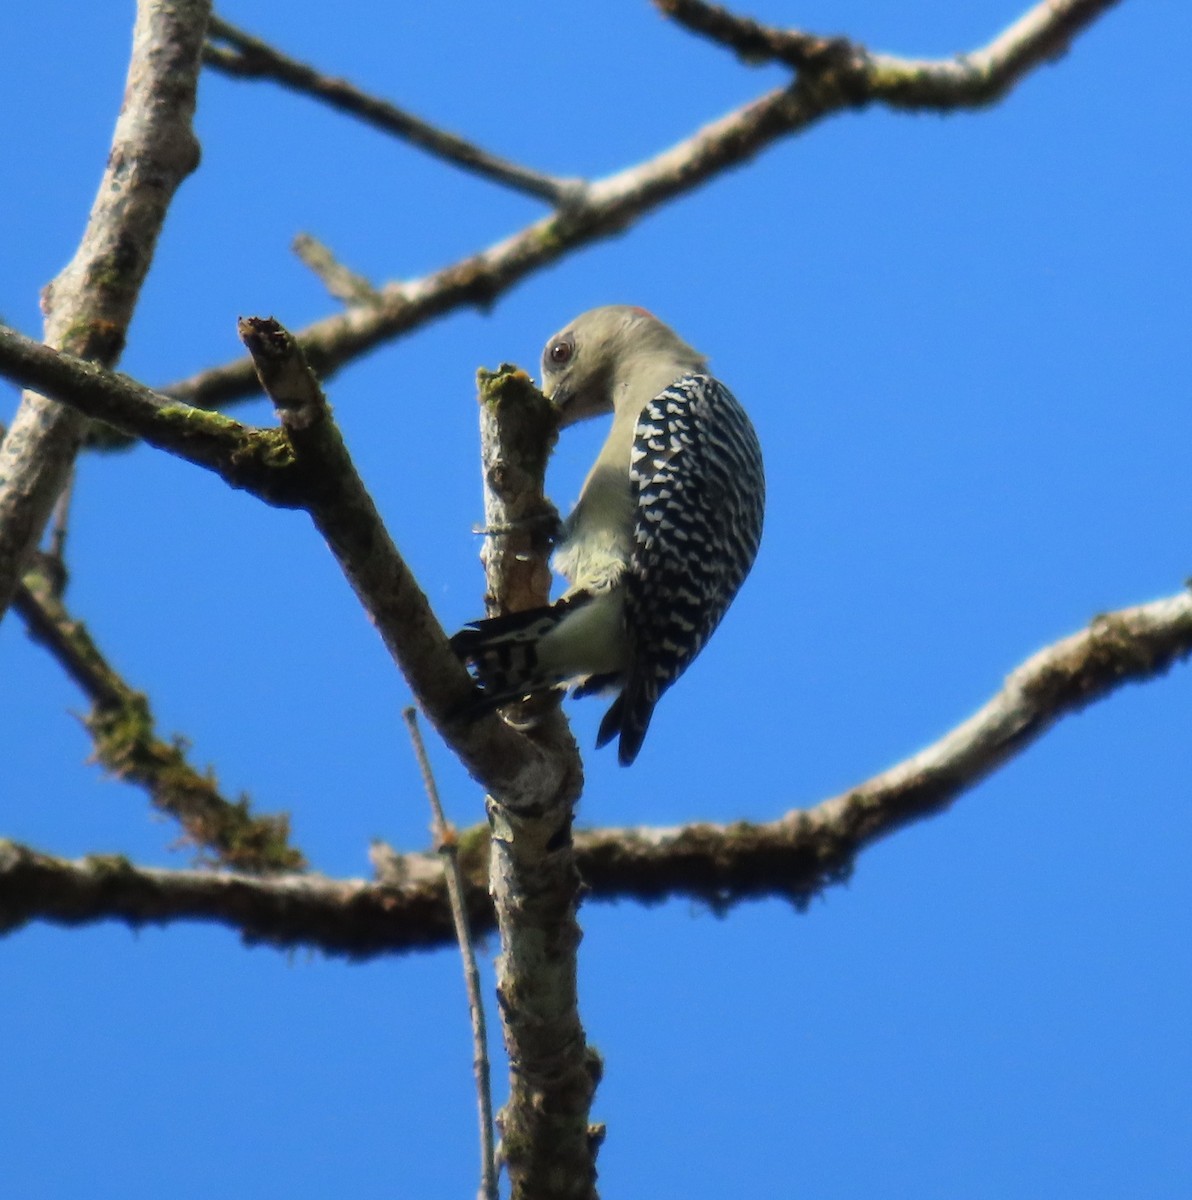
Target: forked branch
[835, 76]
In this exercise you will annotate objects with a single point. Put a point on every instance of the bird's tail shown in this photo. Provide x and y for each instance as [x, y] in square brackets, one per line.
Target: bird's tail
[628, 719]
[502, 653]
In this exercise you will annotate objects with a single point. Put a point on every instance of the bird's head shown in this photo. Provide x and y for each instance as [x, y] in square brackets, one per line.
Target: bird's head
[612, 356]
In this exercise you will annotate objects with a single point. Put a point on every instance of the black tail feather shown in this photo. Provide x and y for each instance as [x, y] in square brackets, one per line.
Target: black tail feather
[502, 653]
[629, 715]
[476, 635]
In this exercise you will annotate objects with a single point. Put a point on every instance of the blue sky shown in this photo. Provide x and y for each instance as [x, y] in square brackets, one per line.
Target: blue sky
[964, 342]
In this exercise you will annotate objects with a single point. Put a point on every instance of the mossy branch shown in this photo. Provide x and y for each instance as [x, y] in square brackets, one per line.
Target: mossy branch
[260, 461]
[795, 857]
[126, 744]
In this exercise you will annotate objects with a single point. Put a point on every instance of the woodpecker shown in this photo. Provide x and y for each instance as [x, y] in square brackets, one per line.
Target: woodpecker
[665, 530]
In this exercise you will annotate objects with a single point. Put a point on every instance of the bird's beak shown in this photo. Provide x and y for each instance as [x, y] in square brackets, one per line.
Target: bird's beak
[562, 398]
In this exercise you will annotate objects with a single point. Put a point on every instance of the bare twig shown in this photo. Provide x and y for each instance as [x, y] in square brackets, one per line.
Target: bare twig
[251, 58]
[611, 205]
[122, 729]
[797, 856]
[344, 284]
[90, 304]
[752, 41]
[447, 845]
[59, 529]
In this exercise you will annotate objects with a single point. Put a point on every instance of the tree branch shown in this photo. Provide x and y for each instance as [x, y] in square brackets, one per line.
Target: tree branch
[966, 81]
[500, 758]
[518, 432]
[256, 460]
[305, 465]
[611, 205]
[547, 1144]
[121, 726]
[91, 302]
[795, 857]
[251, 58]
[353, 918]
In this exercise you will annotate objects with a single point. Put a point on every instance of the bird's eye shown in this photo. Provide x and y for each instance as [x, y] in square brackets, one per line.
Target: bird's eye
[561, 351]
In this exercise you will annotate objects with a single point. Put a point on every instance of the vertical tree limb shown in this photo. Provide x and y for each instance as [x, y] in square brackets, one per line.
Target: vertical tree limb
[89, 305]
[548, 1146]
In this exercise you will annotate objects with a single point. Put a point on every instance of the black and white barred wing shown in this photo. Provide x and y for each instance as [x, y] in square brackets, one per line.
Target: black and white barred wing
[696, 468]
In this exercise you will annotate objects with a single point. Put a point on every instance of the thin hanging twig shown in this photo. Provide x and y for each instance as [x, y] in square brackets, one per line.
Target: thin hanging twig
[448, 847]
[59, 529]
